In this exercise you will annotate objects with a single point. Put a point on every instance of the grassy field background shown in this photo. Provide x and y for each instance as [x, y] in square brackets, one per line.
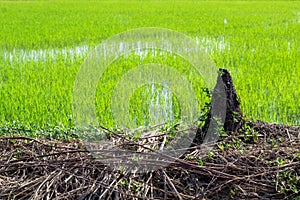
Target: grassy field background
[43, 43]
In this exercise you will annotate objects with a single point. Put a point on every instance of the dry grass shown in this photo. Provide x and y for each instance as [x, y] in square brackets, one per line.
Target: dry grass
[260, 161]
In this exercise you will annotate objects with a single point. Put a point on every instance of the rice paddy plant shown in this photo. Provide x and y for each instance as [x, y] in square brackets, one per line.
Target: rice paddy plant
[152, 101]
[43, 43]
[37, 93]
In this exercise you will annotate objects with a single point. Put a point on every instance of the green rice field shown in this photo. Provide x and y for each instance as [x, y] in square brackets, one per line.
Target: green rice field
[44, 43]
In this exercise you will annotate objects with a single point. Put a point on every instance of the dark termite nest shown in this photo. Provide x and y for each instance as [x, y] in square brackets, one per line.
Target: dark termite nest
[233, 119]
